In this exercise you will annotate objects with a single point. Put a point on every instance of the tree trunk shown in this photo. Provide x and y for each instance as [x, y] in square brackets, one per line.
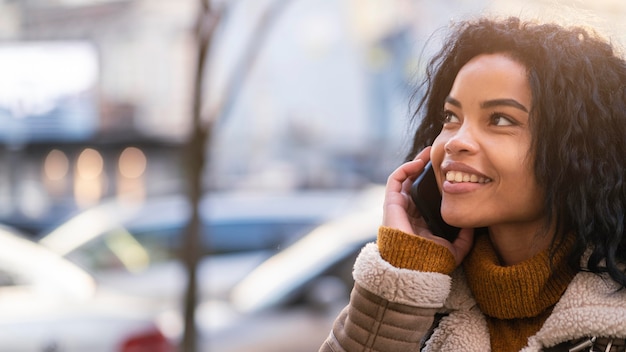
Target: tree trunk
[195, 160]
[197, 148]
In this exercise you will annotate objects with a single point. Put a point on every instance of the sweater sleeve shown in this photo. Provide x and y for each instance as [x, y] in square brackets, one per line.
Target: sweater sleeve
[407, 251]
[391, 308]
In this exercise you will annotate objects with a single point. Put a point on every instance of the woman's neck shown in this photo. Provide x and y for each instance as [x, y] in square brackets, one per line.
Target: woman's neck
[515, 244]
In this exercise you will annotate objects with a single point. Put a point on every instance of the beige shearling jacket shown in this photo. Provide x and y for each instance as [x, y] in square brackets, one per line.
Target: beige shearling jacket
[393, 309]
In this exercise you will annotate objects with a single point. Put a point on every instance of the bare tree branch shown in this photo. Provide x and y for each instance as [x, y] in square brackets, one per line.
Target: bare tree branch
[218, 114]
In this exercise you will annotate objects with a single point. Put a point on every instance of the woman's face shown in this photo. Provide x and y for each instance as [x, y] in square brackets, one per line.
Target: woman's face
[481, 157]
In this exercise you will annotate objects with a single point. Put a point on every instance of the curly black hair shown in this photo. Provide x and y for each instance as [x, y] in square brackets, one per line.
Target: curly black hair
[577, 122]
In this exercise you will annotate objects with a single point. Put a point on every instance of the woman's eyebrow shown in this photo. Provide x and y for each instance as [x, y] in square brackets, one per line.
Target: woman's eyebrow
[491, 103]
[453, 101]
[506, 102]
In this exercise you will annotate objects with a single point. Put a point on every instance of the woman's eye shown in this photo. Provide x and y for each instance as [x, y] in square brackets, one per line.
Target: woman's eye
[501, 120]
[449, 117]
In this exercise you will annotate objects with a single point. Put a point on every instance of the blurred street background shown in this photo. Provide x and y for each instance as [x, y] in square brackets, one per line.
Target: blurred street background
[307, 106]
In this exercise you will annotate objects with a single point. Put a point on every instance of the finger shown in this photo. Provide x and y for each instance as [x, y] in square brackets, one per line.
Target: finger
[406, 171]
[424, 154]
[397, 180]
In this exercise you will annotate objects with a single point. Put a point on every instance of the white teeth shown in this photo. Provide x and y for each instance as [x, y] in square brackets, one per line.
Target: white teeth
[457, 176]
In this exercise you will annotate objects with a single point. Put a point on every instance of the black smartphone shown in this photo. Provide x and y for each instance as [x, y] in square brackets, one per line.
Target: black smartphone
[427, 199]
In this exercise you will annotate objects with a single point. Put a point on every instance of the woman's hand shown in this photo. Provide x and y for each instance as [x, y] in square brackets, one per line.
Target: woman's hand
[399, 211]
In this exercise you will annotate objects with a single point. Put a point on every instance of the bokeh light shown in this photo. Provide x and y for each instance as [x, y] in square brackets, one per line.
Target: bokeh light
[90, 181]
[56, 165]
[132, 163]
[89, 164]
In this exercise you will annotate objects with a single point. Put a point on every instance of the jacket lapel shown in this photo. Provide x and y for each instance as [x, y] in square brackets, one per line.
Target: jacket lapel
[592, 305]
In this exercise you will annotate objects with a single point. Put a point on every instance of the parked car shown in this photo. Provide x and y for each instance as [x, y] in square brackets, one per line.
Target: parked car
[288, 302]
[134, 246]
[262, 300]
[48, 303]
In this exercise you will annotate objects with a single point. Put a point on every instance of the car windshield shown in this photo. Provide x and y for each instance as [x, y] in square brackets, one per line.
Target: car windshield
[132, 236]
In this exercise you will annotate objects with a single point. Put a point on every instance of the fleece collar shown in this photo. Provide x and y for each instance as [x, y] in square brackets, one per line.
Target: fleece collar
[592, 305]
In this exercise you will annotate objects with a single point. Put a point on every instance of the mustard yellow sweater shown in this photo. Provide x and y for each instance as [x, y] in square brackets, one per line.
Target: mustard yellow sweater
[516, 300]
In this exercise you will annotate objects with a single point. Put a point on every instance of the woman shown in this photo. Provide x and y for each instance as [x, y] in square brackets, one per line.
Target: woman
[525, 126]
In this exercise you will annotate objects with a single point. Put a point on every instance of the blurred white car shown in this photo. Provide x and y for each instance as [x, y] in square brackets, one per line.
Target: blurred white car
[49, 304]
[133, 246]
[288, 302]
[255, 300]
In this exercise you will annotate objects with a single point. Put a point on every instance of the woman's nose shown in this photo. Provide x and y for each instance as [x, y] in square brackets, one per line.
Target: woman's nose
[462, 141]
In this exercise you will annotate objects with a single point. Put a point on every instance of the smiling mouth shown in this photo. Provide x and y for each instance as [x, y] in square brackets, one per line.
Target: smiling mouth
[457, 176]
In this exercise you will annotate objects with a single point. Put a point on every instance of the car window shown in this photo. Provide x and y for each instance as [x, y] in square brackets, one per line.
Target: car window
[121, 249]
[135, 249]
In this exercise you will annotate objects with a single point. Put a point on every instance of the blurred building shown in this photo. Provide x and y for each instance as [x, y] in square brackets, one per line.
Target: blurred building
[95, 99]
[325, 102]
[94, 102]
[320, 105]
[144, 51]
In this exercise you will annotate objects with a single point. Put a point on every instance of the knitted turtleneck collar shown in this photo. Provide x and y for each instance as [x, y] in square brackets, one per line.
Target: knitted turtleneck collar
[519, 291]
